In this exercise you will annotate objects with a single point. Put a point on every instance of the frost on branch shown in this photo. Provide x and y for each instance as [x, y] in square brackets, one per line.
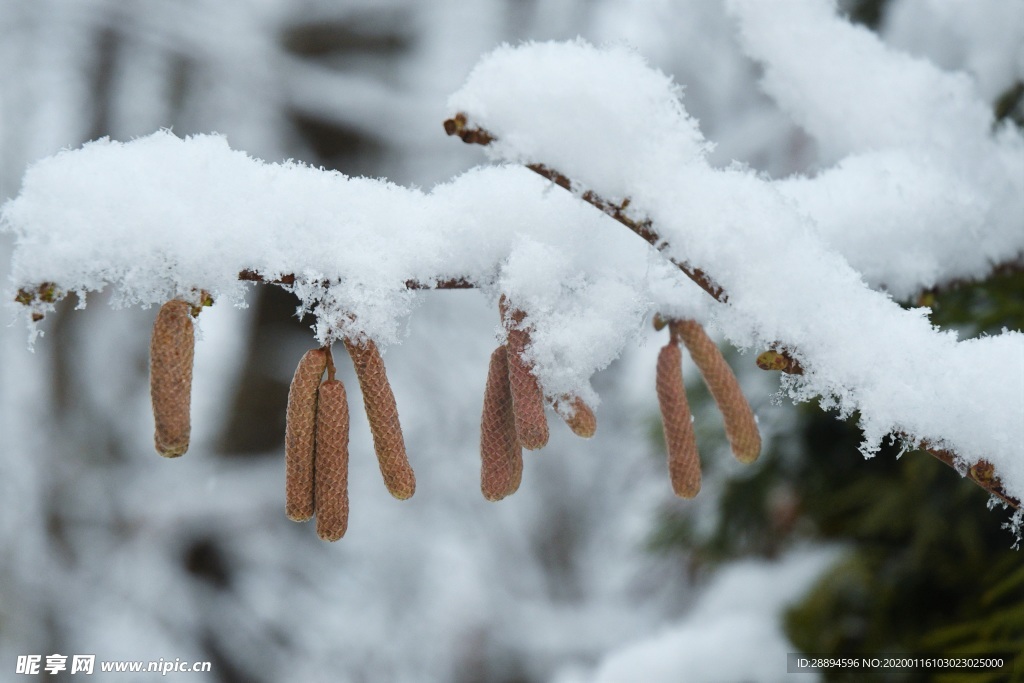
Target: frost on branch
[776, 252]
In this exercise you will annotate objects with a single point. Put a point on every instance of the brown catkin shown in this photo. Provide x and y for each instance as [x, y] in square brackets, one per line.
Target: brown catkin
[501, 456]
[382, 412]
[683, 460]
[578, 416]
[331, 461]
[171, 351]
[740, 426]
[527, 397]
[300, 435]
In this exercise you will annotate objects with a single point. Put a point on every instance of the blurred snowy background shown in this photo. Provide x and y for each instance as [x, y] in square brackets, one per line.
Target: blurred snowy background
[106, 548]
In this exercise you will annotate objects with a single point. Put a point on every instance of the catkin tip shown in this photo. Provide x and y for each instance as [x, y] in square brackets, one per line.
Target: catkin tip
[579, 417]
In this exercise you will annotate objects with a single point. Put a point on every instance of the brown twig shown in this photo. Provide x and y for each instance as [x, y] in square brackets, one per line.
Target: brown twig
[289, 279]
[253, 276]
[471, 136]
[780, 361]
[981, 473]
[452, 283]
[644, 228]
[50, 293]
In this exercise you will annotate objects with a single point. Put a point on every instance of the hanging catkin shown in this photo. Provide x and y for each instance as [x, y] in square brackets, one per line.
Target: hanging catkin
[171, 351]
[527, 397]
[331, 461]
[501, 456]
[578, 416]
[683, 460]
[300, 435]
[740, 426]
[382, 412]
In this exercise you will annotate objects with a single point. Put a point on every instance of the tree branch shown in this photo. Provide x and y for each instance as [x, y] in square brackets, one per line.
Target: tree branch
[981, 473]
[645, 229]
[49, 292]
[289, 279]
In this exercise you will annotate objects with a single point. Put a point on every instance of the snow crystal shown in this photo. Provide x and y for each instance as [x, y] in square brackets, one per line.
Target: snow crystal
[533, 93]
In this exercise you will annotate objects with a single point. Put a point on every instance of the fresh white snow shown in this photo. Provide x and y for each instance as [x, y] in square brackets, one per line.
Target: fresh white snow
[161, 217]
[786, 281]
[913, 189]
[743, 605]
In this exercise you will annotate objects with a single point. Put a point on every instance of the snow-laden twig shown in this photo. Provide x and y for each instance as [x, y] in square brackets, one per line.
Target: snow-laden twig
[160, 218]
[981, 472]
[603, 125]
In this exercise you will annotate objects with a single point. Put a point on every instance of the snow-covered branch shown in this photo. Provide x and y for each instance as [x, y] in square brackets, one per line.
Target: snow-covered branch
[981, 471]
[160, 218]
[618, 131]
[924, 190]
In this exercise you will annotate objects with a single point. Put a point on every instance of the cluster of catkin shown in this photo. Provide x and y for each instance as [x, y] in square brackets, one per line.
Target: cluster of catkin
[740, 425]
[316, 437]
[317, 431]
[316, 434]
[513, 414]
